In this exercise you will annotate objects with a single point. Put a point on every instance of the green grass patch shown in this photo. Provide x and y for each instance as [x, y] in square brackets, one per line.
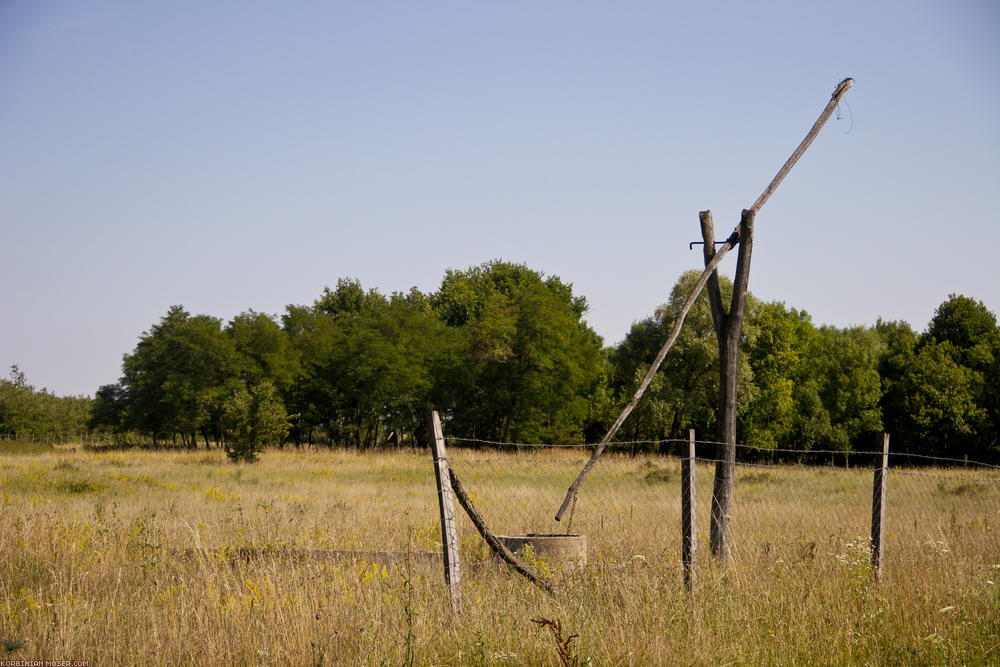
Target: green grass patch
[76, 486]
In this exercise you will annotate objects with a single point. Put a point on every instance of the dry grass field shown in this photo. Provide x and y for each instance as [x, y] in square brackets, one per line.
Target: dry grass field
[93, 563]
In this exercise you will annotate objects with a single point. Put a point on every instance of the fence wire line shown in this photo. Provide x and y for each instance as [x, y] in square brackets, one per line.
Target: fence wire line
[676, 441]
[804, 467]
[785, 512]
[518, 445]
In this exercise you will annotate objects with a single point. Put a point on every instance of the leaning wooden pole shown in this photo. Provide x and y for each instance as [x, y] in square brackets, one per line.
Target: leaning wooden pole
[730, 243]
[674, 333]
[449, 537]
[498, 547]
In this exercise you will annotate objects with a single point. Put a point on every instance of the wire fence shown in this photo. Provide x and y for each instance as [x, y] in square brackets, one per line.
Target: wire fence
[789, 507]
[56, 438]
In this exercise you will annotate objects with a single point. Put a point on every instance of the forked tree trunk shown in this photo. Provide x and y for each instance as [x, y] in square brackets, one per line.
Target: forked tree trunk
[728, 329]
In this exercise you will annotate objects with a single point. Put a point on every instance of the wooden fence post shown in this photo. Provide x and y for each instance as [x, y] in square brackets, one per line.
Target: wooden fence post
[878, 510]
[689, 539]
[449, 538]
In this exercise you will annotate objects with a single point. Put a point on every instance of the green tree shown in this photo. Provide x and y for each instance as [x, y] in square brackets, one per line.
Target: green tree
[177, 377]
[844, 364]
[972, 331]
[17, 414]
[532, 360]
[313, 337]
[371, 367]
[775, 356]
[254, 417]
[943, 417]
[970, 328]
[940, 389]
[264, 350]
[26, 410]
[109, 409]
[899, 351]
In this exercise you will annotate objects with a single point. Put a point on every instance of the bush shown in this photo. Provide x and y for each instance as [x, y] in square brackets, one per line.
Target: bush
[254, 418]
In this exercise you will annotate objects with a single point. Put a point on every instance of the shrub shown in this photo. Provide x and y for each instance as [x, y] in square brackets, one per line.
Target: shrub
[254, 417]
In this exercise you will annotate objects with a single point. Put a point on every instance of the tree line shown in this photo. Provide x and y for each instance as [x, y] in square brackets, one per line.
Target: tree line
[26, 410]
[504, 354]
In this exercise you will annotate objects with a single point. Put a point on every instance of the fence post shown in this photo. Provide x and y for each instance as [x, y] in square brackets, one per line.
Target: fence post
[878, 510]
[449, 538]
[689, 543]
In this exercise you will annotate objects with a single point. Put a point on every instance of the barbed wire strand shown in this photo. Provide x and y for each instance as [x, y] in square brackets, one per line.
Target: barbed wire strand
[766, 450]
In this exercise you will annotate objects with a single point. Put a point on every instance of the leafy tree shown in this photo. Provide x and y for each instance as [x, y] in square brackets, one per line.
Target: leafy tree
[970, 328]
[943, 417]
[349, 298]
[264, 350]
[939, 389]
[371, 367]
[16, 410]
[254, 417]
[844, 363]
[972, 331]
[775, 355]
[899, 350]
[24, 409]
[381, 370]
[109, 410]
[532, 360]
[178, 375]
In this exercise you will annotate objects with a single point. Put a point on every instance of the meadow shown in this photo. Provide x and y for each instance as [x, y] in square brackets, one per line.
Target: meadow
[96, 563]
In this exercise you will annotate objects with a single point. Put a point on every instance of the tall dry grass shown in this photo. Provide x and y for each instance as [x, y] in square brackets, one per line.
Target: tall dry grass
[89, 567]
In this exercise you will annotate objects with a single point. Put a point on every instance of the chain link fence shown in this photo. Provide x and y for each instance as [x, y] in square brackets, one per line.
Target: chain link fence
[789, 507]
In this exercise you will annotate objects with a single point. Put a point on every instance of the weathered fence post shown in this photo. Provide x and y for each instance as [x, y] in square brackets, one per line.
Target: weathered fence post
[878, 510]
[689, 540]
[449, 538]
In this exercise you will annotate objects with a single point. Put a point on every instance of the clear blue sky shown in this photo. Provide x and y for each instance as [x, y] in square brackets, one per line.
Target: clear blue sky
[235, 155]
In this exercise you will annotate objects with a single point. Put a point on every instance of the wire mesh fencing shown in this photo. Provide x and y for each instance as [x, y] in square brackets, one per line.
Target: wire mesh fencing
[789, 507]
[626, 509]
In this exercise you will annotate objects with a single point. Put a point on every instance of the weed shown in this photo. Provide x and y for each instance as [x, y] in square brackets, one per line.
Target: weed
[960, 488]
[751, 478]
[567, 658]
[479, 649]
[77, 486]
[661, 476]
[408, 613]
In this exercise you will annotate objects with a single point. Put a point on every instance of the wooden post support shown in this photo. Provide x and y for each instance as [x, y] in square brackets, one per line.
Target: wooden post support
[878, 510]
[710, 267]
[689, 540]
[449, 537]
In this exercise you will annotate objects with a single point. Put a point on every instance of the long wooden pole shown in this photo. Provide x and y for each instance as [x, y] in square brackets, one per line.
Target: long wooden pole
[498, 547]
[730, 243]
[449, 537]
